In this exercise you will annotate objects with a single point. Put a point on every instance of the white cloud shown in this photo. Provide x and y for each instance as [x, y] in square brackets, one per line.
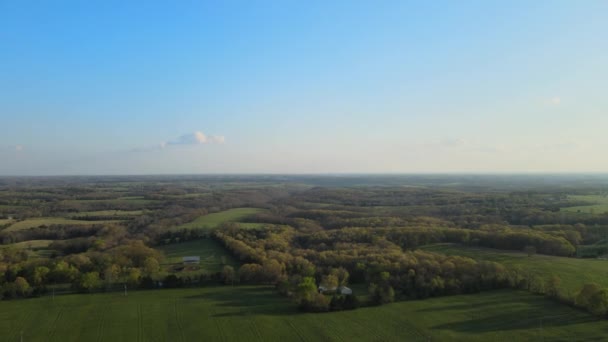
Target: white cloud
[554, 101]
[197, 138]
[18, 147]
[217, 139]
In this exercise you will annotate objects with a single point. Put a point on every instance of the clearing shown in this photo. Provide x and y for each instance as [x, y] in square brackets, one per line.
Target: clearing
[597, 204]
[215, 219]
[47, 221]
[212, 253]
[574, 272]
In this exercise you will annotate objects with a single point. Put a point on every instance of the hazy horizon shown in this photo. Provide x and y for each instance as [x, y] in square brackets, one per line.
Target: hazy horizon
[392, 87]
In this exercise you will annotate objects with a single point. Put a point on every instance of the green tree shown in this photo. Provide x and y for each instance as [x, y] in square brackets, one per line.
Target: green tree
[552, 288]
[111, 274]
[583, 298]
[22, 286]
[329, 281]
[598, 303]
[151, 267]
[272, 270]
[228, 274]
[134, 276]
[90, 281]
[40, 275]
[251, 273]
[306, 289]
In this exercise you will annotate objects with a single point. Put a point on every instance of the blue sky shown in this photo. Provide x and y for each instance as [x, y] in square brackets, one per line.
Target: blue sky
[128, 87]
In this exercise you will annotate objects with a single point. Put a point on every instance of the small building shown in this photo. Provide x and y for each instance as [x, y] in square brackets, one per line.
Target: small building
[323, 289]
[343, 290]
[191, 260]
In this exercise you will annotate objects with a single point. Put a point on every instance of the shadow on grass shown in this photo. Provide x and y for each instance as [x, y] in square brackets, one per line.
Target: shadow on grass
[247, 300]
[533, 316]
[463, 305]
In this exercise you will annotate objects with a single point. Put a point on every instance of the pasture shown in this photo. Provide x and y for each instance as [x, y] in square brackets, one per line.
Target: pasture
[213, 255]
[254, 313]
[107, 213]
[574, 272]
[135, 200]
[215, 219]
[597, 204]
[47, 221]
[6, 221]
[30, 244]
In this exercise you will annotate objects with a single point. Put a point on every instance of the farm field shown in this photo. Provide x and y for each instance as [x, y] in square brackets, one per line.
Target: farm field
[31, 244]
[254, 313]
[108, 213]
[213, 255]
[215, 219]
[597, 204]
[574, 272]
[5, 221]
[39, 221]
[115, 201]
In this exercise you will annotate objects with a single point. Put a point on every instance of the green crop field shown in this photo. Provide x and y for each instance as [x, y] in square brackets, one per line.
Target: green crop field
[213, 255]
[597, 204]
[39, 221]
[248, 313]
[215, 219]
[574, 272]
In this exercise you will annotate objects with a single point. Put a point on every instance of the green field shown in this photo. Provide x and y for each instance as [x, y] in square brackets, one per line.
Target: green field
[39, 221]
[212, 254]
[597, 204]
[120, 200]
[248, 313]
[31, 244]
[108, 213]
[215, 219]
[5, 221]
[574, 272]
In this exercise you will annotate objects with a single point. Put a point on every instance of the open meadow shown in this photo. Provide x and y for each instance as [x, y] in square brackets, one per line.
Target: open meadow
[596, 204]
[213, 255]
[47, 221]
[255, 313]
[574, 272]
[215, 219]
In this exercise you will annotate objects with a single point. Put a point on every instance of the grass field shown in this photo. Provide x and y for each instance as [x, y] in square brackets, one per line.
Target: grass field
[31, 244]
[5, 221]
[121, 200]
[108, 213]
[574, 272]
[259, 314]
[37, 248]
[211, 252]
[215, 219]
[597, 204]
[39, 221]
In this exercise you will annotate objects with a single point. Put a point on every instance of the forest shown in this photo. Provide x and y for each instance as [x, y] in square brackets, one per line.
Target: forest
[299, 234]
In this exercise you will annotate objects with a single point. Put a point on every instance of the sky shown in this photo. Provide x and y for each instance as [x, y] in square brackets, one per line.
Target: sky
[197, 87]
